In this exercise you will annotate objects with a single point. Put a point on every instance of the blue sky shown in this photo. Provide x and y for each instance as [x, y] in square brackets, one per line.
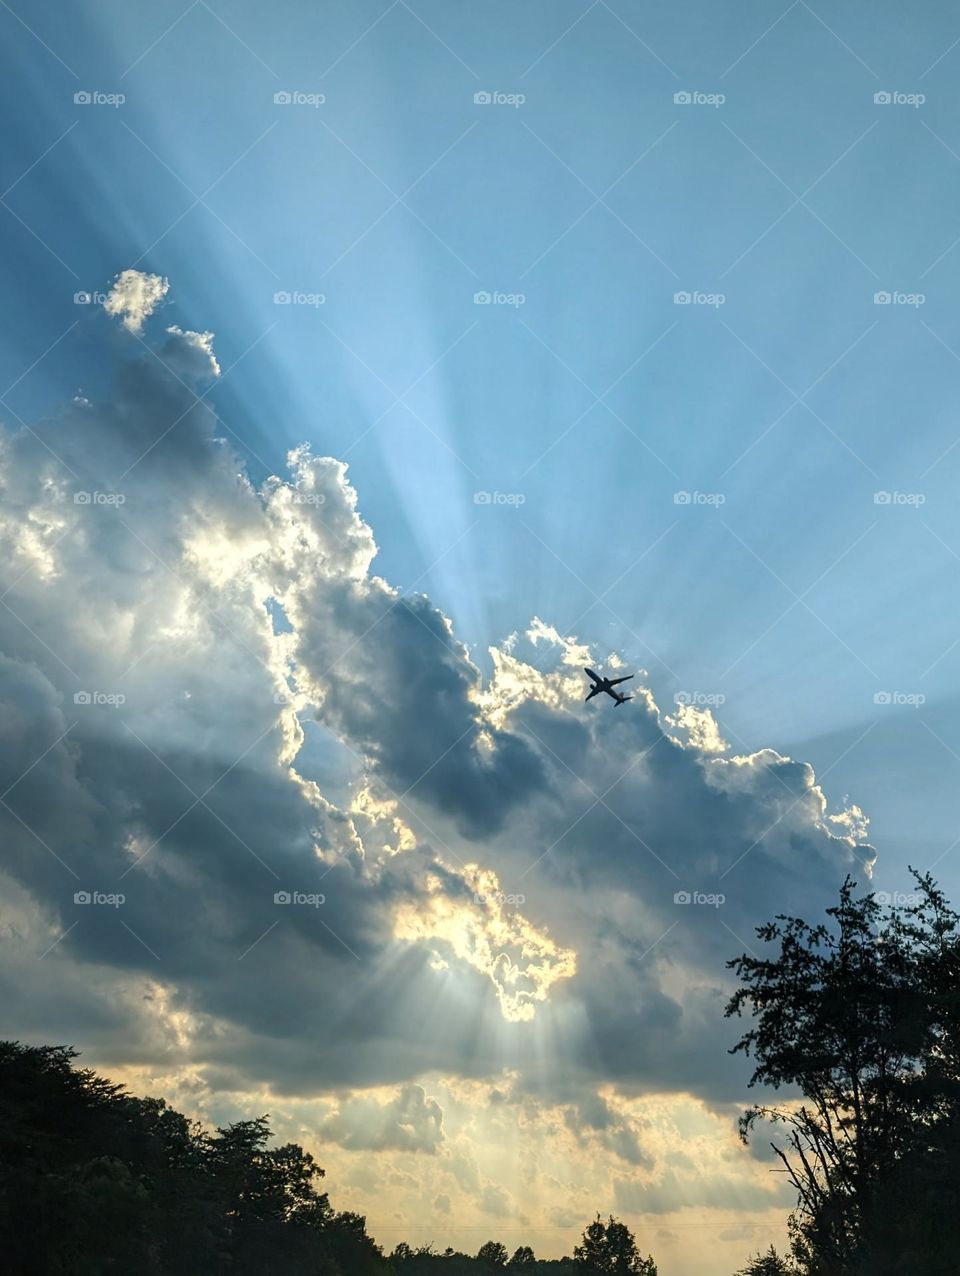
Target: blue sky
[784, 198]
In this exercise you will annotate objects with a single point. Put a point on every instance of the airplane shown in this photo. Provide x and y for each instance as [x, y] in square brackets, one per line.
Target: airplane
[607, 685]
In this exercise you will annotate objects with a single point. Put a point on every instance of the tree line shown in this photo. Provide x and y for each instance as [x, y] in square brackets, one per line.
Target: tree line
[853, 1024]
[97, 1182]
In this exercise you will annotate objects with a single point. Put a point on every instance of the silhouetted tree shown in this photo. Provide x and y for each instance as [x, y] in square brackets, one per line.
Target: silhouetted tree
[523, 1257]
[861, 1015]
[768, 1264]
[94, 1182]
[610, 1247]
[493, 1253]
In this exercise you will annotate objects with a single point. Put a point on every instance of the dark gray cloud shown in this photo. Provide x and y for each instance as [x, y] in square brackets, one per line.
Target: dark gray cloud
[592, 1120]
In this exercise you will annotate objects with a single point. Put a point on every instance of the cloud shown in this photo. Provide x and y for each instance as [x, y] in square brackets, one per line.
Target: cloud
[502, 885]
[594, 1122]
[190, 354]
[410, 1122]
[133, 297]
[699, 727]
[495, 1201]
[487, 930]
[716, 1191]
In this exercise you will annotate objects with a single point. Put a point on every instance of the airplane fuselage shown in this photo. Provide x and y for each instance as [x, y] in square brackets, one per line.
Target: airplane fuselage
[607, 685]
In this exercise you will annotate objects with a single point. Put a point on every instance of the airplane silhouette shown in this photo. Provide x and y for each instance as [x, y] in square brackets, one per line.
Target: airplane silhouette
[607, 685]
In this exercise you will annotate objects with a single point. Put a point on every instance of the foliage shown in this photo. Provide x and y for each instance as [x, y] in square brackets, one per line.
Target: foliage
[493, 1254]
[859, 1017]
[768, 1264]
[855, 1020]
[610, 1247]
[523, 1257]
[96, 1182]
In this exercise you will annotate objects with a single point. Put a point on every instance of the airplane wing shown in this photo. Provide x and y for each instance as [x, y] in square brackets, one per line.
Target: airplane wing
[595, 676]
[594, 691]
[614, 681]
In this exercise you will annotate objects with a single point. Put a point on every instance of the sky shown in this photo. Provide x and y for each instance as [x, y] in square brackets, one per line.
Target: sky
[369, 369]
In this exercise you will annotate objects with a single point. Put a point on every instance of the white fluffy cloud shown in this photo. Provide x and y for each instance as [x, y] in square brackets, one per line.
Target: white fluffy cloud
[192, 352]
[133, 297]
